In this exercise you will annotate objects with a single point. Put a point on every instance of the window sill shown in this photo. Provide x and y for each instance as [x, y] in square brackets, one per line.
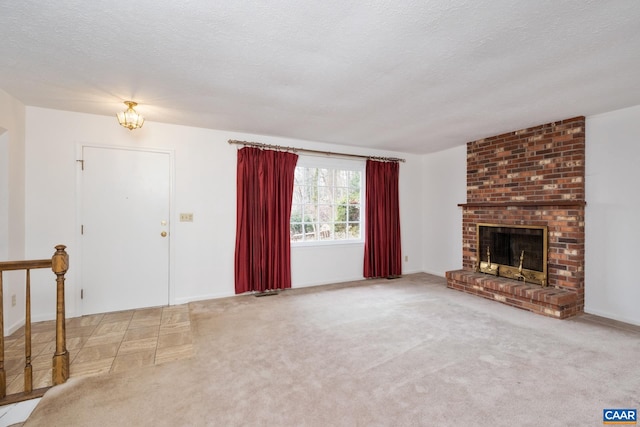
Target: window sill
[325, 243]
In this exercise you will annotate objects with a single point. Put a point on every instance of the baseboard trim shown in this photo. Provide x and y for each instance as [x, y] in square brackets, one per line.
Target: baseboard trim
[611, 316]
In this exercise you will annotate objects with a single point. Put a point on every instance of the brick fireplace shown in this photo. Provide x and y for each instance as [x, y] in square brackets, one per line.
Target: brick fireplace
[532, 177]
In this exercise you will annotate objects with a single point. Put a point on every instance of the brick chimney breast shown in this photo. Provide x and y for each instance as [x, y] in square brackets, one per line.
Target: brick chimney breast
[532, 176]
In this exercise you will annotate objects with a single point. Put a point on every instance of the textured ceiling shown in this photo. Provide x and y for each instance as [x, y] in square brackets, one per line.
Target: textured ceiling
[412, 76]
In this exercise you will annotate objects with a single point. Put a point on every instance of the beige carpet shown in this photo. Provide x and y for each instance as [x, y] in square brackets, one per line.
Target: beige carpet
[404, 352]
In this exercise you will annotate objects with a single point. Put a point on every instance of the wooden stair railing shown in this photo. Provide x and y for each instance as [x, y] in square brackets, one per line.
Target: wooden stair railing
[59, 263]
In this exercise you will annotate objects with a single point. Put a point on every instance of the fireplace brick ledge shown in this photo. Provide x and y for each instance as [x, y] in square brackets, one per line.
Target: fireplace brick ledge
[550, 301]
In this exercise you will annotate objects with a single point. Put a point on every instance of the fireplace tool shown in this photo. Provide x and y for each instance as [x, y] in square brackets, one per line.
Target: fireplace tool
[487, 267]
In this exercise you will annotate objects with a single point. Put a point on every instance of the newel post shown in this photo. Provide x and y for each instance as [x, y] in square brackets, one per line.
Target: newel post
[60, 265]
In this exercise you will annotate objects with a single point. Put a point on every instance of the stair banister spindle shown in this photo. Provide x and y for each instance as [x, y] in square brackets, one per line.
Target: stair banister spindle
[28, 369]
[60, 265]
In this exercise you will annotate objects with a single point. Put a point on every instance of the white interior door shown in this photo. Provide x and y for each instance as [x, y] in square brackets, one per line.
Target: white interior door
[125, 229]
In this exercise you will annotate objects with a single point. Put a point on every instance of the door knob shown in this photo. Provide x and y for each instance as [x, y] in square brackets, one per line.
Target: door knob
[163, 234]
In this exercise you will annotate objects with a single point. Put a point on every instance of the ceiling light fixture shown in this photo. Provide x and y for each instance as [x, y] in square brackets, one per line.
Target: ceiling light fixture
[130, 117]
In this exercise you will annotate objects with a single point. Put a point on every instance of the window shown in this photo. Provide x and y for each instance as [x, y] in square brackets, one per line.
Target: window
[327, 200]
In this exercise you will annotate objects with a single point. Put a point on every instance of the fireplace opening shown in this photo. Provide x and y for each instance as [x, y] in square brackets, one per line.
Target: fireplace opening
[513, 251]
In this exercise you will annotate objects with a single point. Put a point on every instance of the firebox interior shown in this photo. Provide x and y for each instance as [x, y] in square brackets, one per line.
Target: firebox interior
[515, 251]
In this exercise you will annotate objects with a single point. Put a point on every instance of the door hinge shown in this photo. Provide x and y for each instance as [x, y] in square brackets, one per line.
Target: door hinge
[82, 229]
[81, 164]
[81, 293]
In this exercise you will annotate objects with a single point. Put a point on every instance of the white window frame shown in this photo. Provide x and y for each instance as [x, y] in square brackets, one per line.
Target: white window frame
[338, 164]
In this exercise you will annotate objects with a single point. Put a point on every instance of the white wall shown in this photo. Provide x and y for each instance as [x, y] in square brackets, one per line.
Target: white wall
[612, 286]
[411, 213]
[444, 179]
[12, 123]
[205, 174]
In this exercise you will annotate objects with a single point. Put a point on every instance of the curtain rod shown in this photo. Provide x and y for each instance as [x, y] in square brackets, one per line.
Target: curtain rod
[305, 150]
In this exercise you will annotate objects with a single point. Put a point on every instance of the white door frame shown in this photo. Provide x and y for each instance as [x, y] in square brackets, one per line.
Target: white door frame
[76, 261]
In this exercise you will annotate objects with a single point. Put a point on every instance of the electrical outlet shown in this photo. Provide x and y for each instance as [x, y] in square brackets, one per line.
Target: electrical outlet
[13, 300]
[186, 217]
[406, 258]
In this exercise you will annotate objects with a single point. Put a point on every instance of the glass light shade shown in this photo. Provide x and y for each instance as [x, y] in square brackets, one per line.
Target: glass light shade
[130, 117]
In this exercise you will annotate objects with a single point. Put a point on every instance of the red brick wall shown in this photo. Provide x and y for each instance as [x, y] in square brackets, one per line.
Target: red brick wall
[532, 176]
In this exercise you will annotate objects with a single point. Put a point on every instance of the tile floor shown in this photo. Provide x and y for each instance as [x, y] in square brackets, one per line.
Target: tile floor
[103, 343]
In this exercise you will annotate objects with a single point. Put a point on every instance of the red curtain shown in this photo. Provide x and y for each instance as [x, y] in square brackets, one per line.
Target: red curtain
[382, 249]
[265, 192]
